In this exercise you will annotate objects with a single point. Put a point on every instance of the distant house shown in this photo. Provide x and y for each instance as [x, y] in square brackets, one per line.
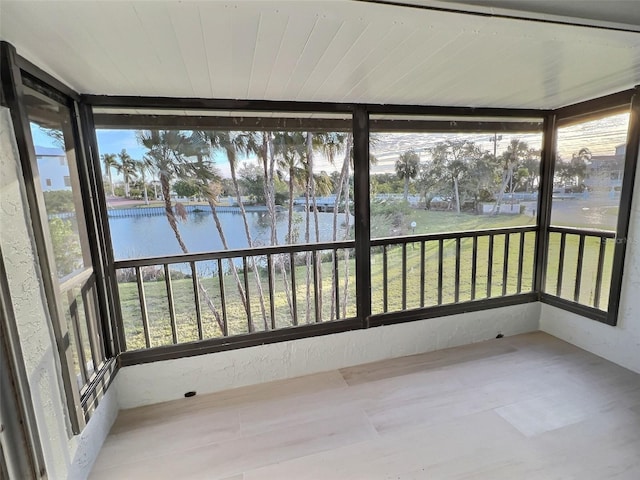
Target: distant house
[53, 169]
[604, 172]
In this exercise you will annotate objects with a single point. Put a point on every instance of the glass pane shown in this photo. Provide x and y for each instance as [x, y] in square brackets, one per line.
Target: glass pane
[586, 194]
[74, 344]
[242, 180]
[588, 173]
[75, 312]
[227, 189]
[58, 177]
[434, 175]
[430, 182]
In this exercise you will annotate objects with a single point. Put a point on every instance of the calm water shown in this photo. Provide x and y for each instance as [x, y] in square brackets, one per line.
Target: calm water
[151, 236]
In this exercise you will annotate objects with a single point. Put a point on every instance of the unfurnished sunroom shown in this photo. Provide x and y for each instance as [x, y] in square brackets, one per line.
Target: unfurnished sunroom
[342, 239]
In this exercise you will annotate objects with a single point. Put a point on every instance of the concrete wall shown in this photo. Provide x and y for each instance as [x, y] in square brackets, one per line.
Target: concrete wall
[166, 380]
[66, 456]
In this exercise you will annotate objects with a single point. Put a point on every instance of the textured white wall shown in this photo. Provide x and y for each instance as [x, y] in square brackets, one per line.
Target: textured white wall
[34, 327]
[170, 379]
[620, 344]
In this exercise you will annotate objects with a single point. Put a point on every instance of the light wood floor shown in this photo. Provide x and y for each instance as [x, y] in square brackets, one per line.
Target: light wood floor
[524, 407]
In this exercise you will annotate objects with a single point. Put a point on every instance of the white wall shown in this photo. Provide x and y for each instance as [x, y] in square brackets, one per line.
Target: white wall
[66, 456]
[620, 344]
[170, 379]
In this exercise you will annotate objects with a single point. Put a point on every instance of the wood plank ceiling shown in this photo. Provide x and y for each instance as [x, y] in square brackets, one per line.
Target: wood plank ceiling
[336, 50]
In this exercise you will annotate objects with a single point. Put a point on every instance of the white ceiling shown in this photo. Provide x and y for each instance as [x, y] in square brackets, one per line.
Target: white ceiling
[307, 50]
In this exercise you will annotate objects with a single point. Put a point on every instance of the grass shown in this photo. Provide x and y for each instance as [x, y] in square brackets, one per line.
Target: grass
[436, 222]
[160, 331]
[184, 301]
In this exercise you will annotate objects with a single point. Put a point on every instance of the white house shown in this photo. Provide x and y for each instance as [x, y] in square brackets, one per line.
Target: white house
[53, 168]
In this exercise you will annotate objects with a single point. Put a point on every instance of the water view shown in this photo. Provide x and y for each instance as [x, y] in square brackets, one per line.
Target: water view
[151, 236]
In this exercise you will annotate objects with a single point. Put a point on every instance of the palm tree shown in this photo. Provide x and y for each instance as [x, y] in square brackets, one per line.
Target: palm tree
[167, 157]
[210, 189]
[287, 147]
[267, 154]
[233, 144]
[127, 167]
[407, 167]
[144, 166]
[110, 161]
[310, 193]
[329, 144]
[290, 147]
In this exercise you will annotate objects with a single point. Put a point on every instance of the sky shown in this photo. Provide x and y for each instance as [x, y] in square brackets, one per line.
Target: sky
[601, 136]
[113, 141]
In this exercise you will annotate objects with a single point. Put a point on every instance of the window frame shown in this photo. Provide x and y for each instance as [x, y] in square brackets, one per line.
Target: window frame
[626, 101]
[18, 73]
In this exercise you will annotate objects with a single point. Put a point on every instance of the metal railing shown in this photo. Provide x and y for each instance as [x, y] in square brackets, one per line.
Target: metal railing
[422, 271]
[579, 266]
[252, 294]
[191, 297]
[180, 299]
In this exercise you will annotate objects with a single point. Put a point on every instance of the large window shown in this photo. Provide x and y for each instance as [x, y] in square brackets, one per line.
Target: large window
[225, 186]
[587, 187]
[453, 209]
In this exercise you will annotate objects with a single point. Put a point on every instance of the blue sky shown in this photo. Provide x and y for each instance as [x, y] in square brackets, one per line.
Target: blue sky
[113, 141]
[41, 139]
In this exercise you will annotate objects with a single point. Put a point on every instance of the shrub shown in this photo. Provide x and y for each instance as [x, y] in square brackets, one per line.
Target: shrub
[59, 201]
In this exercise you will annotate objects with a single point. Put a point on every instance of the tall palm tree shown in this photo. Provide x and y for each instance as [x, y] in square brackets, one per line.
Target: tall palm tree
[234, 144]
[128, 169]
[310, 195]
[327, 144]
[407, 167]
[290, 148]
[267, 155]
[287, 149]
[143, 167]
[342, 189]
[110, 161]
[210, 189]
[166, 154]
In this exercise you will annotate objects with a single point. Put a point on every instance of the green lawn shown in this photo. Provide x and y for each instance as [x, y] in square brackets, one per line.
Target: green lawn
[427, 222]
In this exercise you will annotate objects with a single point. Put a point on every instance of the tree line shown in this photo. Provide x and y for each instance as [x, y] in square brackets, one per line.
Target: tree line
[459, 171]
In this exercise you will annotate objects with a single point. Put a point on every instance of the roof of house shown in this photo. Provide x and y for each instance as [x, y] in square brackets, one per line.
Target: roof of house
[49, 151]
